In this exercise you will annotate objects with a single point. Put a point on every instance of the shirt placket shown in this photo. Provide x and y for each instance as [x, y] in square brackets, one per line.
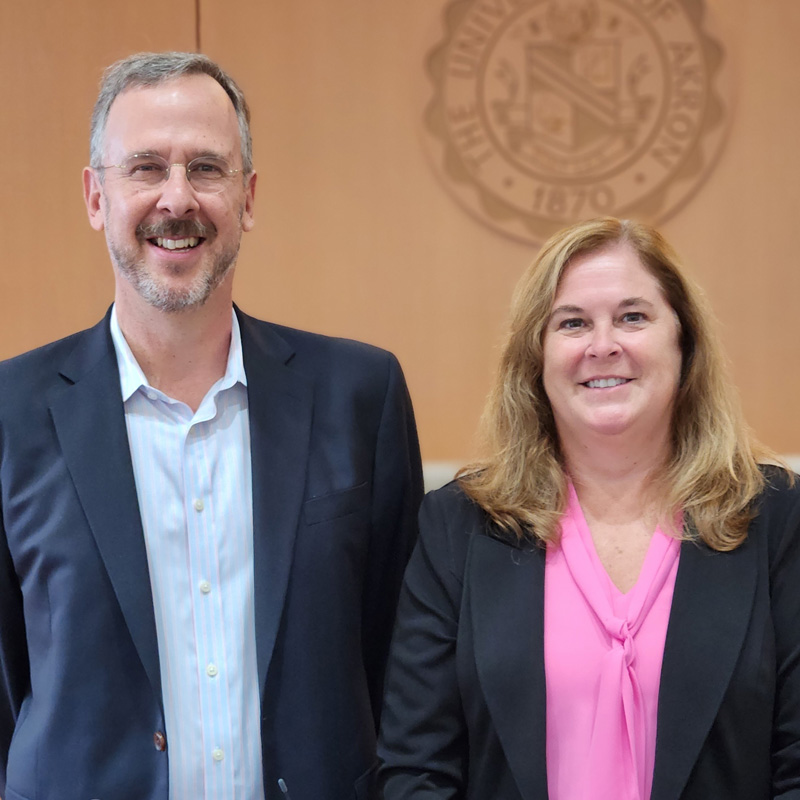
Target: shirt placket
[204, 537]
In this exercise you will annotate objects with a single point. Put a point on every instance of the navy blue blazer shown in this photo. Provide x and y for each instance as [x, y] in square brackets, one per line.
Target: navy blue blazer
[464, 712]
[336, 485]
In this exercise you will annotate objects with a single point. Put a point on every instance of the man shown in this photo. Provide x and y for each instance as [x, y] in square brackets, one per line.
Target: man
[205, 518]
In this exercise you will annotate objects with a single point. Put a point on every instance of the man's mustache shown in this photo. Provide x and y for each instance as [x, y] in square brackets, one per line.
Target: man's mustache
[176, 229]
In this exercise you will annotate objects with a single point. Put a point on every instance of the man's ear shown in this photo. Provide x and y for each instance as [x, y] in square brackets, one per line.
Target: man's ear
[93, 197]
[249, 203]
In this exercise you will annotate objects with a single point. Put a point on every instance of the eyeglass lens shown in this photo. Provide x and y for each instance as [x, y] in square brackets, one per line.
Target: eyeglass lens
[206, 174]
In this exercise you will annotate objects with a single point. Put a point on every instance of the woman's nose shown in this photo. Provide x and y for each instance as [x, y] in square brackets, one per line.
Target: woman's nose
[602, 342]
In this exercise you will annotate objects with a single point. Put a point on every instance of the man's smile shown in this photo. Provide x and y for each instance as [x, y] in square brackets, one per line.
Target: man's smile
[176, 234]
[176, 244]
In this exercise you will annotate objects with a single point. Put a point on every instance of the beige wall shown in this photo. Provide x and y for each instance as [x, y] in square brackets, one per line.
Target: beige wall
[355, 235]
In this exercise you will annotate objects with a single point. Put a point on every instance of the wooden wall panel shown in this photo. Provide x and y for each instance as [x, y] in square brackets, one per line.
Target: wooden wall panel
[55, 276]
[355, 236]
[739, 233]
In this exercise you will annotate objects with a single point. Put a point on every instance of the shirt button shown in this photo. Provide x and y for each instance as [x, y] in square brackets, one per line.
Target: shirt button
[198, 505]
[211, 670]
[218, 755]
[205, 587]
[160, 741]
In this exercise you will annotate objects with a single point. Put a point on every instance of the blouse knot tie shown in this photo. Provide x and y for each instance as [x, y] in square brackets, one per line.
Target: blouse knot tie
[622, 635]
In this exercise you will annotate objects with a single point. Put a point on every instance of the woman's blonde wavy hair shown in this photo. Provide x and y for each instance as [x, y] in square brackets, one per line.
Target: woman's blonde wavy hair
[712, 473]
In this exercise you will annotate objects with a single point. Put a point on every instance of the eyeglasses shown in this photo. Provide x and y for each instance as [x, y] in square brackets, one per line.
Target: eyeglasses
[206, 174]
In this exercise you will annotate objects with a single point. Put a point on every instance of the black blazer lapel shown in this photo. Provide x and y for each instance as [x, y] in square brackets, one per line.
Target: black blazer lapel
[711, 609]
[506, 603]
[280, 404]
[89, 419]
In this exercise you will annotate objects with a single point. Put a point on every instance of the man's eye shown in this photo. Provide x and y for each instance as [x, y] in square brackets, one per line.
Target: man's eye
[208, 169]
[143, 168]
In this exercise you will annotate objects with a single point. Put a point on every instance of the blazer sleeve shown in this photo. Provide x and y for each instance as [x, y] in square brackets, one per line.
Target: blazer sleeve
[14, 672]
[397, 493]
[423, 744]
[783, 510]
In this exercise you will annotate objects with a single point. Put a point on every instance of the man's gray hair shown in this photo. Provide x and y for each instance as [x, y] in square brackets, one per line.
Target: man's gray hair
[151, 69]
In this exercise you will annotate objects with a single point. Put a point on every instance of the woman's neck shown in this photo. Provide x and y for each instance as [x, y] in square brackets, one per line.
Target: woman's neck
[613, 480]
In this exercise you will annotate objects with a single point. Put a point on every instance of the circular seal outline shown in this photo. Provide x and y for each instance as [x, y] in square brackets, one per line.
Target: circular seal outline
[658, 203]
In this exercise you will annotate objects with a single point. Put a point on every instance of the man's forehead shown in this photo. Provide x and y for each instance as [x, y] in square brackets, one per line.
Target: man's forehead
[197, 86]
[187, 105]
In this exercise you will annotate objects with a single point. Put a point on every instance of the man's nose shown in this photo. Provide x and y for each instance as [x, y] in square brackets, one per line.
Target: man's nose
[177, 194]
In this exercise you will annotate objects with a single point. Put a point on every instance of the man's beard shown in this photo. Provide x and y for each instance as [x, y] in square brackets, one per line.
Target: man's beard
[158, 293]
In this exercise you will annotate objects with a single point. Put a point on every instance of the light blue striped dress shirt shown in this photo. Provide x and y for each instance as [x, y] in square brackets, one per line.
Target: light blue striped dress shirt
[194, 485]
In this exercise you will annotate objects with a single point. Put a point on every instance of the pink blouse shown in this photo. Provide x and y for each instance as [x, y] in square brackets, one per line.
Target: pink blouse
[603, 652]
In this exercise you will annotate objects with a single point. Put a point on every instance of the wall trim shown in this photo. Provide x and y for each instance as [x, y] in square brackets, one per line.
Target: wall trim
[438, 473]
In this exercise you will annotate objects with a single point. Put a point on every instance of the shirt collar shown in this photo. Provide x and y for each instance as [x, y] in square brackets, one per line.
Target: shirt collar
[132, 378]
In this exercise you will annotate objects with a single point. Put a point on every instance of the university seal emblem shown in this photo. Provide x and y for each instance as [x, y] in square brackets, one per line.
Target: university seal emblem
[545, 112]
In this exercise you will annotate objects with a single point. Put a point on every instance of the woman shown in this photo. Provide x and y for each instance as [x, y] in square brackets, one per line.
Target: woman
[607, 606]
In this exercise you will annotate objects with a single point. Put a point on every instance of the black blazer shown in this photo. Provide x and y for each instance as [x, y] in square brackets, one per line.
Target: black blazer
[336, 485]
[464, 714]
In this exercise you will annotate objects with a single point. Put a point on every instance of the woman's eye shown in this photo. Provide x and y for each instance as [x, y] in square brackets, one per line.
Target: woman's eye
[633, 317]
[573, 324]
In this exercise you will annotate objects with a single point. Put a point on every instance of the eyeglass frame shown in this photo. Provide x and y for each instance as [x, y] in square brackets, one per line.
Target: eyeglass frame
[226, 173]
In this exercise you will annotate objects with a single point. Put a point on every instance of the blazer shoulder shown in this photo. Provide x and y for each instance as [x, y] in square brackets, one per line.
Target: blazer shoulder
[45, 355]
[777, 510]
[781, 493]
[330, 363]
[35, 373]
[452, 502]
[324, 346]
[450, 520]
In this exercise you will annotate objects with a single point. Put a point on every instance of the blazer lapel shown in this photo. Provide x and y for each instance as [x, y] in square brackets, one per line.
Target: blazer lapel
[506, 605]
[280, 406]
[708, 622]
[90, 424]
